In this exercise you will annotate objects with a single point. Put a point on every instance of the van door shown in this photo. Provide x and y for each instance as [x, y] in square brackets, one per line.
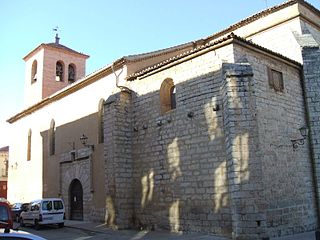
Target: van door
[58, 209]
[46, 210]
[52, 211]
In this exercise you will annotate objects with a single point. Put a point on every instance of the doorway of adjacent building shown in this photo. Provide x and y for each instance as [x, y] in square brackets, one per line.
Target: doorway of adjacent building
[76, 200]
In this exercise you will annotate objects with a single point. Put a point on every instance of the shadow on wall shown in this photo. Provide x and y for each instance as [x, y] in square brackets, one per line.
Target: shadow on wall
[181, 177]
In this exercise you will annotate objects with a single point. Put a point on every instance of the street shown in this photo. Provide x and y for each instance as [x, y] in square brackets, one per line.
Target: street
[78, 230]
[54, 233]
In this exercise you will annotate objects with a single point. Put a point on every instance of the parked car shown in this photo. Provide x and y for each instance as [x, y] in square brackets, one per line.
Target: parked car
[18, 234]
[42, 212]
[16, 210]
[5, 216]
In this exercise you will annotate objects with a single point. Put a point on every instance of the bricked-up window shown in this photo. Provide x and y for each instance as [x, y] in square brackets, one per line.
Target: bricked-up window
[275, 80]
[34, 71]
[59, 71]
[167, 95]
[100, 121]
[71, 73]
[52, 138]
[29, 145]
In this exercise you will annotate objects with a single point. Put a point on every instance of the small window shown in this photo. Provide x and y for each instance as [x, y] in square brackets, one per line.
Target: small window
[167, 95]
[59, 71]
[275, 80]
[173, 97]
[52, 138]
[100, 121]
[71, 73]
[29, 146]
[34, 70]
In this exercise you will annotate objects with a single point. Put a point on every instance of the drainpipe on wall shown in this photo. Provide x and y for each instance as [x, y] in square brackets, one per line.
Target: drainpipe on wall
[122, 88]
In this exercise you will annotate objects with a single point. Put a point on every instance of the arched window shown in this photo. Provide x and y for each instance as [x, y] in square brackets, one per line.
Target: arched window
[29, 145]
[100, 121]
[52, 138]
[34, 71]
[71, 73]
[173, 97]
[59, 71]
[167, 95]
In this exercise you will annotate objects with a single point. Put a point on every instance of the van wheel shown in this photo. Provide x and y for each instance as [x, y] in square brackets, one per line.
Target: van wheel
[21, 222]
[61, 225]
[36, 225]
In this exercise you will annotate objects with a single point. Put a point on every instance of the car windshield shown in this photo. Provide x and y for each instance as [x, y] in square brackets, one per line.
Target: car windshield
[3, 214]
[16, 205]
[57, 205]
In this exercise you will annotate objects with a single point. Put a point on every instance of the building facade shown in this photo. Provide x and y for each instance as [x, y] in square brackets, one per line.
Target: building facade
[4, 160]
[207, 136]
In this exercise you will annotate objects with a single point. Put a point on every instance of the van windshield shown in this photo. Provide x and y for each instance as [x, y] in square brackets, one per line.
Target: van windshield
[57, 205]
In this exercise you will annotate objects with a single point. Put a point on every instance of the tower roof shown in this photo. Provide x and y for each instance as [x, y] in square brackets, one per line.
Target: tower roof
[55, 45]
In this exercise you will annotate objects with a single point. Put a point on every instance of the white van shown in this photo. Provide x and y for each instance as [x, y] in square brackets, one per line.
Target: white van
[42, 212]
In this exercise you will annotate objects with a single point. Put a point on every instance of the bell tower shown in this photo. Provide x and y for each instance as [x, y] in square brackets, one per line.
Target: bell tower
[49, 68]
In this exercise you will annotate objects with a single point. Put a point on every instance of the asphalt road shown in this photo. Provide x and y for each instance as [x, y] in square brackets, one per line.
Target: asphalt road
[54, 233]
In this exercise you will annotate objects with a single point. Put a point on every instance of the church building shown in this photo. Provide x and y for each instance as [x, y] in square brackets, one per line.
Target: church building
[219, 135]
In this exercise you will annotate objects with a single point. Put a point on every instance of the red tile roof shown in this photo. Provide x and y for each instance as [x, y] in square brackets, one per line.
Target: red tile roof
[4, 149]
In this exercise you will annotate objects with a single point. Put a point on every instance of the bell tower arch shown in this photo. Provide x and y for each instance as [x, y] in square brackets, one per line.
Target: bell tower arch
[49, 68]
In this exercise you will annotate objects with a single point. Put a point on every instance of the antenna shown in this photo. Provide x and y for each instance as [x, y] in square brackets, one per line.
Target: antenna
[56, 29]
[266, 1]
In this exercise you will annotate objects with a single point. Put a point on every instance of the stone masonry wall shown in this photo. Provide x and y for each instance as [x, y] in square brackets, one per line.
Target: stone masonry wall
[311, 70]
[118, 161]
[222, 161]
[286, 173]
[242, 148]
[180, 175]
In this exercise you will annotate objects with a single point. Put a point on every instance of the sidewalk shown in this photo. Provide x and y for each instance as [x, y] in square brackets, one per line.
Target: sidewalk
[137, 235]
[160, 235]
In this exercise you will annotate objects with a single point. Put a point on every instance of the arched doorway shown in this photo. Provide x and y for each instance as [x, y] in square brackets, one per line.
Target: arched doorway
[76, 200]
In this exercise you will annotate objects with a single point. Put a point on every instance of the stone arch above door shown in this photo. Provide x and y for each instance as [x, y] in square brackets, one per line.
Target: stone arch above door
[76, 170]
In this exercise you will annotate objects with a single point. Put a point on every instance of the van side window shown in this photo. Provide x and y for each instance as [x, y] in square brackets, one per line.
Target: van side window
[47, 205]
[57, 205]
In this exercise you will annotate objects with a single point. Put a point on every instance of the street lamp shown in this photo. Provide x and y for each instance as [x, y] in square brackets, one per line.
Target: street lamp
[300, 141]
[84, 140]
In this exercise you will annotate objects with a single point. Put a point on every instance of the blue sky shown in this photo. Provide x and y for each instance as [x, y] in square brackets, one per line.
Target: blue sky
[106, 30]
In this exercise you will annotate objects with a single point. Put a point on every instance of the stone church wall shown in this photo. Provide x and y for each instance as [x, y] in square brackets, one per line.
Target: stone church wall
[180, 178]
[311, 56]
[118, 161]
[286, 172]
[185, 161]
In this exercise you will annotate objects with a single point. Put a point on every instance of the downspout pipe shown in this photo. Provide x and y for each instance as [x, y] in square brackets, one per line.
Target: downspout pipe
[122, 88]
